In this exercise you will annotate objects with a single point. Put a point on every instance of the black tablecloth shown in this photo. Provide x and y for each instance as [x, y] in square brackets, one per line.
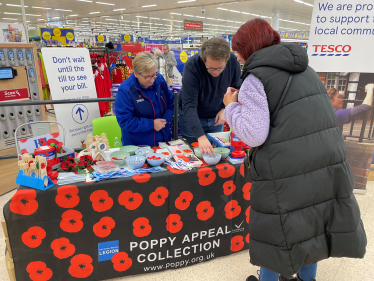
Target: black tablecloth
[119, 227]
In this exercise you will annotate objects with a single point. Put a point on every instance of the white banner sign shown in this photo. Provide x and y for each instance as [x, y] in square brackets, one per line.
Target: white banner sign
[70, 76]
[342, 36]
[12, 33]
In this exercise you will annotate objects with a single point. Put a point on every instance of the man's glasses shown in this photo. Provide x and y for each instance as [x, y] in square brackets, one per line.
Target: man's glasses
[149, 78]
[216, 69]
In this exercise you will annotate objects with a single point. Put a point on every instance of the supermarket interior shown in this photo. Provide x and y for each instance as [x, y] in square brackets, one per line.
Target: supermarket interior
[186, 140]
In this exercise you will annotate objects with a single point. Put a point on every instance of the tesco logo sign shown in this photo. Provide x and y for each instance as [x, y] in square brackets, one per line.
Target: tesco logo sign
[331, 50]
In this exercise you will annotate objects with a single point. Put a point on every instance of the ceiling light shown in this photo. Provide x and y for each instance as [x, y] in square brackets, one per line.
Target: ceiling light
[32, 15]
[176, 14]
[141, 17]
[222, 9]
[89, 1]
[12, 13]
[102, 3]
[40, 19]
[210, 18]
[119, 10]
[185, 1]
[147, 22]
[229, 20]
[12, 5]
[199, 17]
[41, 8]
[8, 18]
[94, 13]
[155, 18]
[124, 20]
[220, 20]
[73, 15]
[63, 10]
[55, 18]
[178, 20]
[146, 6]
[189, 16]
[159, 24]
[234, 11]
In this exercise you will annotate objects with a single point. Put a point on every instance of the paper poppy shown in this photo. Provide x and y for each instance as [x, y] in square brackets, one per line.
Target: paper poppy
[23, 202]
[187, 151]
[101, 202]
[52, 141]
[232, 209]
[194, 144]
[71, 221]
[184, 200]
[176, 171]
[65, 165]
[130, 200]
[42, 142]
[141, 178]
[247, 191]
[229, 187]
[174, 223]
[38, 271]
[247, 238]
[247, 214]
[204, 210]
[121, 261]
[67, 196]
[62, 248]
[156, 148]
[81, 266]
[84, 159]
[70, 160]
[104, 227]
[242, 170]
[237, 243]
[206, 176]
[225, 170]
[33, 236]
[158, 197]
[142, 227]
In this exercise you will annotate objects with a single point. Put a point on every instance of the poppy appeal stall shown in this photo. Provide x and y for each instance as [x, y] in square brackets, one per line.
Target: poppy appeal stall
[143, 224]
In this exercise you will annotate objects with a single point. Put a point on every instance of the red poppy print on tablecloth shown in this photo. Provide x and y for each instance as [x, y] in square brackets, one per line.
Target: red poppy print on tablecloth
[121, 261]
[130, 200]
[232, 209]
[101, 202]
[242, 170]
[204, 210]
[206, 176]
[158, 197]
[247, 238]
[55, 135]
[142, 227]
[52, 141]
[184, 200]
[228, 187]
[71, 221]
[81, 266]
[62, 248]
[33, 236]
[247, 191]
[174, 223]
[104, 227]
[23, 151]
[247, 214]
[225, 170]
[141, 178]
[23, 202]
[237, 243]
[176, 171]
[67, 196]
[38, 271]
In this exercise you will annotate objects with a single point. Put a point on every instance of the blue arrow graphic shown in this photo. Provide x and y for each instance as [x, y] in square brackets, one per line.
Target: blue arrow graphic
[80, 111]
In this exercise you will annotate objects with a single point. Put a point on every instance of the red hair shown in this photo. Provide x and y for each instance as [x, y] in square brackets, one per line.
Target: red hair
[253, 36]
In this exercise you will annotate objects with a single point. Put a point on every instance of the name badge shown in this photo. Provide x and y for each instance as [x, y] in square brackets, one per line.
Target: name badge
[140, 100]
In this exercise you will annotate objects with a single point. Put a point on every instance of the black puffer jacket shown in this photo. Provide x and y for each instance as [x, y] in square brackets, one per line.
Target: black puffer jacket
[303, 207]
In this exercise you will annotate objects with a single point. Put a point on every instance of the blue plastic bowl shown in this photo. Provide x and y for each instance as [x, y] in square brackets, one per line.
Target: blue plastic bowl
[211, 160]
[135, 162]
[155, 163]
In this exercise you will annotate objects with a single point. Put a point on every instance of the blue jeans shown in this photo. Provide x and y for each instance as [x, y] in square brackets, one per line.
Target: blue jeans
[206, 123]
[306, 273]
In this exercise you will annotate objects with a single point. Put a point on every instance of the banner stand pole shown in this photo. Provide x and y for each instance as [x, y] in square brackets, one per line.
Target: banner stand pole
[24, 20]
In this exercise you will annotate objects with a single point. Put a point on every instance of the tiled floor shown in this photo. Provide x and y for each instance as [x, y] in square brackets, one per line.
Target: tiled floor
[237, 266]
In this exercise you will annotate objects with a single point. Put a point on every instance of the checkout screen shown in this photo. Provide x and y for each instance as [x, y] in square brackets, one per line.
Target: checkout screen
[11, 55]
[6, 73]
[29, 54]
[20, 54]
[31, 72]
[2, 55]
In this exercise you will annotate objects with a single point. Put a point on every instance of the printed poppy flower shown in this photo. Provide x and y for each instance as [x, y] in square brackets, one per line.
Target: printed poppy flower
[62, 248]
[204, 210]
[23, 151]
[71, 221]
[42, 141]
[43, 166]
[142, 227]
[158, 197]
[165, 153]
[225, 170]
[247, 213]
[194, 145]
[67, 196]
[247, 238]
[184, 158]
[237, 243]
[229, 187]
[55, 135]
[187, 151]
[104, 227]
[141, 178]
[23, 202]
[23, 141]
[247, 191]
[204, 164]
[81, 266]
[31, 163]
[33, 236]
[121, 261]
[178, 151]
[232, 209]
[52, 141]
[242, 170]
[101, 202]
[38, 271]
[206, 176]
[184, 200]
[176, 171]
[174, 223]
[130, 200]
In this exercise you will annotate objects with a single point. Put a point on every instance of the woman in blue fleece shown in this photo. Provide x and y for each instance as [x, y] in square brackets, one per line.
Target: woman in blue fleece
[144, 104]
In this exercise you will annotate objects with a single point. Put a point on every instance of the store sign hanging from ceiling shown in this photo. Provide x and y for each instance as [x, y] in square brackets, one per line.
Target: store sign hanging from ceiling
[193, 25]
[100, 38]
[294, 35]
[127, 37]
[56, 36]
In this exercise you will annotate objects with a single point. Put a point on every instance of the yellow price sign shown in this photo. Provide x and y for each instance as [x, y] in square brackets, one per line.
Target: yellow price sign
[304, 36]
[296, 36]
[287, 35]
[100, 38]
[129, 54]
[143, 44]
[46, 35]
[127, 37]
[57, 32]
[183, 57]
[70, 36]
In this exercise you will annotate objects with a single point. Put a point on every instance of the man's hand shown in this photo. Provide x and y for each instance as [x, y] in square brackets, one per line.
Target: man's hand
[230, 96]
[220, 119]
[205, 146]
[159, 124]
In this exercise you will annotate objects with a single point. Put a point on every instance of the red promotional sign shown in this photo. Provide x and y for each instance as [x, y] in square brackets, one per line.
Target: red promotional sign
[193, 25]
[14, 94]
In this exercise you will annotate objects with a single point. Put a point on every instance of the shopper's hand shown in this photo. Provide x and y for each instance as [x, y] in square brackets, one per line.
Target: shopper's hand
[159, 124]
[205, 146]
[220, 119]
[230, 96]
[369, 87]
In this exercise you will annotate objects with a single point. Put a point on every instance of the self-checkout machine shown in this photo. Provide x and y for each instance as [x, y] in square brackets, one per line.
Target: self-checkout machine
[19, 81]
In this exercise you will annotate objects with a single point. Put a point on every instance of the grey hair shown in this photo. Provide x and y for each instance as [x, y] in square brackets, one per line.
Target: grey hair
[144, 62]
[158, 53]
[216, 48]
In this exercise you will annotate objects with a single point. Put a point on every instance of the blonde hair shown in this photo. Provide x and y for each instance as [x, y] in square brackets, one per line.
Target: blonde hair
[144, 62]
[158, 53]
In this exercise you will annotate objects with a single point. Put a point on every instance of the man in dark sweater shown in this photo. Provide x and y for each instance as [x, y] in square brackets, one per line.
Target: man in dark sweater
[206, 77]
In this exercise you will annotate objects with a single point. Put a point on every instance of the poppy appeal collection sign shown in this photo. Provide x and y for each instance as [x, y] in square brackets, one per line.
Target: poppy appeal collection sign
[144, 224]
[193, 25]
